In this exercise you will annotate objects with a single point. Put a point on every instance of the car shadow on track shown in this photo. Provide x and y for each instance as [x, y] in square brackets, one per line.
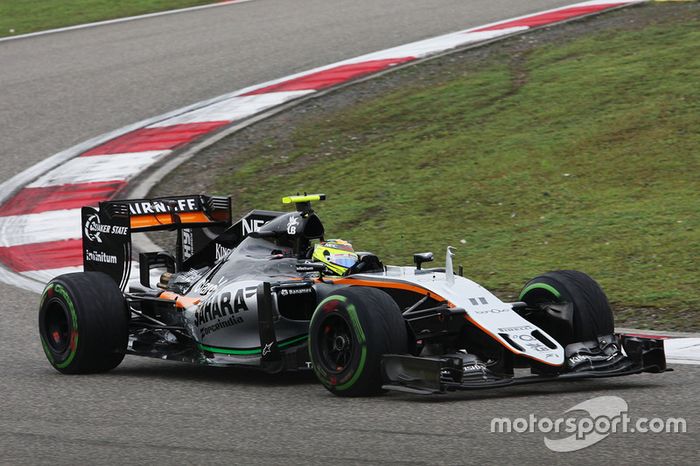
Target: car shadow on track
[546, 389]
[166, 370]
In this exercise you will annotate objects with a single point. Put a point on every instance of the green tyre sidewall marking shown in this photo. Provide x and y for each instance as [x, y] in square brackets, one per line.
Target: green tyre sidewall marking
[320, 373]
[44, 345]
[47, 351]
[363, 349]
[59, 289]
[354, 319]
[540, 286]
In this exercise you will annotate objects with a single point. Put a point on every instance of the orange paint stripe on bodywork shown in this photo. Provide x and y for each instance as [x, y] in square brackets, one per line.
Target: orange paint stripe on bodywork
[181, 302]
[393, 285]
[152, 220]
[423, 291]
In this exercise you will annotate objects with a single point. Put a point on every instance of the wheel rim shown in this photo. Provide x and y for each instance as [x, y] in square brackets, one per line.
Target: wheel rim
[57, 331]
[336, 343]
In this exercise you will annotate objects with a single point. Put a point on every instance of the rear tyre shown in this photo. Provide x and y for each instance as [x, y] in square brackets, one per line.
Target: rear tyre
[83, 323]
[570, 306]
[348, 334]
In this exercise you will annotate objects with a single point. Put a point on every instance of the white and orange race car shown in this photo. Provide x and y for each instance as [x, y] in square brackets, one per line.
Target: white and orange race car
[248, 293]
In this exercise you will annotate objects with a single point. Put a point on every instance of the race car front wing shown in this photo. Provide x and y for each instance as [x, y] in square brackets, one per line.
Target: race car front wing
[440, 374]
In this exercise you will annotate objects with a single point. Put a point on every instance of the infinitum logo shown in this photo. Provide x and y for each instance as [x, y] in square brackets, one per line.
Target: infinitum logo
[587, 423]
[99, 256]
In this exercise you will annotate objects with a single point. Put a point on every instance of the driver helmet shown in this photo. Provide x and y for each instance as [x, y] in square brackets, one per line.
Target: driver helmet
[337, 254]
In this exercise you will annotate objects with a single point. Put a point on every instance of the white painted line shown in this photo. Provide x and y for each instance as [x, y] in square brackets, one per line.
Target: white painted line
[123, 20]
[682, 350]
[234, 108]
[112, 167]
[657, 333]
[45, 275]
[20, 281]
[608, 2]
[54, 225]
[424, 48]
[683, 361]
[565, 7]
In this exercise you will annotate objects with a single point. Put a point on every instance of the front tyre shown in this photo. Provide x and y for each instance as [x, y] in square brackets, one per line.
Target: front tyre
[570, 306]
[349, 332]
[83, 323]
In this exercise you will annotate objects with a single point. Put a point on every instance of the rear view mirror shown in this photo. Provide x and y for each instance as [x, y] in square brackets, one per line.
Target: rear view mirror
[421, 257]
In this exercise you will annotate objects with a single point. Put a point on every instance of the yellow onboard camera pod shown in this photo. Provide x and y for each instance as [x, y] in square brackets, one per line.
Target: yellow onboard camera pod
[303, 203]
[304, 198]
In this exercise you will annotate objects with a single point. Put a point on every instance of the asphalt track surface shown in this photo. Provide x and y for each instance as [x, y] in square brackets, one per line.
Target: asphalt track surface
[61, 89]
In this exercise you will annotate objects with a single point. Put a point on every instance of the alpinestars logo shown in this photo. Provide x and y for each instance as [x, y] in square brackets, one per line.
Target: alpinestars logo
[267, 349]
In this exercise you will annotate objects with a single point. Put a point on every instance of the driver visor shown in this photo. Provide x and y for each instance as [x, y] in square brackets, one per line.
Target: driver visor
[343, 260]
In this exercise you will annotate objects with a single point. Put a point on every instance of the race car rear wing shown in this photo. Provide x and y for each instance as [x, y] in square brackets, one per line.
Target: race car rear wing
[107, 230]
[204, 226]
[177, 212]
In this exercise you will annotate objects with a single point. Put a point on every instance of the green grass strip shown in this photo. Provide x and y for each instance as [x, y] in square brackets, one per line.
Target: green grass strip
[577, 155]
[25, 16]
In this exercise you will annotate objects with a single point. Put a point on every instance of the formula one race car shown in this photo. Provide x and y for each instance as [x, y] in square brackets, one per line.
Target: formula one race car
[269, 292]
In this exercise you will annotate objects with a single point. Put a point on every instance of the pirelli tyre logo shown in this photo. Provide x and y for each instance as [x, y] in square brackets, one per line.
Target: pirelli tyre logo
[94, 229]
